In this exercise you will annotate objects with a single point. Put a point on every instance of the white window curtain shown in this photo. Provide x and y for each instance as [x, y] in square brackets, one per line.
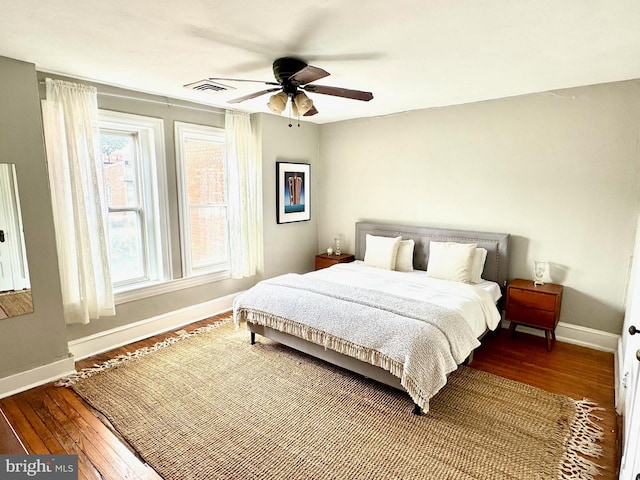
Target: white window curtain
[245, 195]
[72, 138]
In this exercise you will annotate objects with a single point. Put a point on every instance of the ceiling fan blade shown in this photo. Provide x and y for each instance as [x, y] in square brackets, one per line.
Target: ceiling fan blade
[313, 111]
[339, 92]
[252, 95]
[308, 74]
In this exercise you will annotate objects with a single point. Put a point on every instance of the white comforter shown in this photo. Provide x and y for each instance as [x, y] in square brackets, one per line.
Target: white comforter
[475, 303]
[409, 327]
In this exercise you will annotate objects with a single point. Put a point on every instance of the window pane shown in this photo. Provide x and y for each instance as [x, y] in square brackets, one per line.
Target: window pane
[204, 171]
[208, 229]
[125, 243]
[119, 167]
[203, 198]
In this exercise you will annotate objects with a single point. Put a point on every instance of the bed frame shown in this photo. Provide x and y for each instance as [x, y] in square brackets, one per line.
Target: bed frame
[496, 269]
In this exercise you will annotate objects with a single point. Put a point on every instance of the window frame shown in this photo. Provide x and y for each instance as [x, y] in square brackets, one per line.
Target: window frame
[182, 131]
[152, 182]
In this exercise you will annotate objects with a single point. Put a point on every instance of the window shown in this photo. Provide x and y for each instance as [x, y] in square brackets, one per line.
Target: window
[200, 156]
[133, 170]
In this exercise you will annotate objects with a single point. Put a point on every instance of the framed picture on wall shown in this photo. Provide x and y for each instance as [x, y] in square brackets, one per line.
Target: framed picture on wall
[293, 192]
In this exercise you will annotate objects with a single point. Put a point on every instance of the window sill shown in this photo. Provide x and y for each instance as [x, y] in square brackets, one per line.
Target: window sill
[158, 288]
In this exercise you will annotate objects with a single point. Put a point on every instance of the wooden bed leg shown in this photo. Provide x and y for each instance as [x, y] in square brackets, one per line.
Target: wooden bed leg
[416, 409]
[253, 338]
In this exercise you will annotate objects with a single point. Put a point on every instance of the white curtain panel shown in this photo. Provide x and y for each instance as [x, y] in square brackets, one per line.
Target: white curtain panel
[72, 138]
[245, 195]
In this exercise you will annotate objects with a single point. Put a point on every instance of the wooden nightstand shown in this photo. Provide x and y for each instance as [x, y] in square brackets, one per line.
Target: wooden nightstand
[536, 306]
[324, 260]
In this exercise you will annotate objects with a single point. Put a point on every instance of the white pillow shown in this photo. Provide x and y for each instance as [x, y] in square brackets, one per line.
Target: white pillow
[477, 266]
[450, 261]
[404, 259]
[381, 252]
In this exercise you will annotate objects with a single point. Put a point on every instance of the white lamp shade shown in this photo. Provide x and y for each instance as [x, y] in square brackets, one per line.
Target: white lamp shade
[278, 102]
[303, 103]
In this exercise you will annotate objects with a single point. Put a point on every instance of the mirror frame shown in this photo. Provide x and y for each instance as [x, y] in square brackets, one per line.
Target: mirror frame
[15, 283]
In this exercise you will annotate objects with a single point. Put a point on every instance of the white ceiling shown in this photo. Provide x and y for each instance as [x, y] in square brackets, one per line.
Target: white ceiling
[411, 54]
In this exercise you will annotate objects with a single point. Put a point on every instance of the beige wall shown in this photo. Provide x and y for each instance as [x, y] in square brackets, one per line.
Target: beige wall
[557, 170]
[288, 247]
[39, 338]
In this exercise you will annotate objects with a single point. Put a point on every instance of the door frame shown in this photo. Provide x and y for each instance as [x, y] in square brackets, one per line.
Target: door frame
[628, 381]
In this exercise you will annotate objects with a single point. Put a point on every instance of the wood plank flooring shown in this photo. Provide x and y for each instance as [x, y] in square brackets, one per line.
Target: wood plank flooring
[55, 420]
[570, 370]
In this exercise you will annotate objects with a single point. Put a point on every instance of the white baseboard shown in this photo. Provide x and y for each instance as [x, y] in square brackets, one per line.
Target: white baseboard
[116, 337]
[110, 339]
[35, 377]
[577, 335]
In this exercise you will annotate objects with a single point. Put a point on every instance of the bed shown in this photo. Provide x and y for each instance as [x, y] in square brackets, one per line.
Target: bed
[407, 329]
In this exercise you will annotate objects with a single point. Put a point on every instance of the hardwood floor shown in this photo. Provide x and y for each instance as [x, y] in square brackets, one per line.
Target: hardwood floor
[55, 420]
[570, 370]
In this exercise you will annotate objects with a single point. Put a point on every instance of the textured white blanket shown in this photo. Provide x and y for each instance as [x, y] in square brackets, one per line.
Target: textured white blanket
[419, 342]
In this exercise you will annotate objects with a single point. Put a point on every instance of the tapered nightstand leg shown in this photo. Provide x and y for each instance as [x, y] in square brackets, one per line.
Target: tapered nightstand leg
[547, 334]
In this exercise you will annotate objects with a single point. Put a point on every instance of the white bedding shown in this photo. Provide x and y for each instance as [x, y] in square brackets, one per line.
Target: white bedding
[474, 302]
[416, 327]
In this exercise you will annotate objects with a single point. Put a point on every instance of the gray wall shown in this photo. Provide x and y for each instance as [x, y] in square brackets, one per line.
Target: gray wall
[121, 100]
[39, 338]
[557, 170]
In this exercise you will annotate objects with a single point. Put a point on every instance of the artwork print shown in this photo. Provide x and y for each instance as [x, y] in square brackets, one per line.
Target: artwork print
[293, 192]
[293, 195]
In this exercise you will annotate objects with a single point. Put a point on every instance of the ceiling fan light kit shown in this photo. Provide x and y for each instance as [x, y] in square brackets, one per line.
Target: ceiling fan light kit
[294, 75]
[303, 103]
[278, 102]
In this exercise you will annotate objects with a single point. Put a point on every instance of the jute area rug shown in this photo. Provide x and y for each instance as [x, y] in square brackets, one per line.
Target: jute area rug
[211, 406]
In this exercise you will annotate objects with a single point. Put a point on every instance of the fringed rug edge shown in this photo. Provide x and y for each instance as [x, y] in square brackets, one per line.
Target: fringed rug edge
[181, 335]
[582, 440]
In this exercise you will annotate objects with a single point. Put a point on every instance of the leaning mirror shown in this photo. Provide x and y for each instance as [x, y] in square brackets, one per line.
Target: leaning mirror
[15, 286]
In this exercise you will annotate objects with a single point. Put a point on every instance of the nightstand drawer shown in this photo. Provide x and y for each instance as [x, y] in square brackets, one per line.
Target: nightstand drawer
[535, 306]
[324, 263]
[324, 260]
[530, 299]
[531, 316]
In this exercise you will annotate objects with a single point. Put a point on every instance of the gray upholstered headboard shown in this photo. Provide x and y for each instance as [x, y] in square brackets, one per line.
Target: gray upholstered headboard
[496, 267]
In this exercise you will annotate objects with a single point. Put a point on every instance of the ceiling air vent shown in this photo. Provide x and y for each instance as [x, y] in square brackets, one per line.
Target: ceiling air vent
[208, 86]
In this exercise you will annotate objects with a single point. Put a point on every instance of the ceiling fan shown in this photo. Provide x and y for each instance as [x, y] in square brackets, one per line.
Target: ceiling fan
[294, 75]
